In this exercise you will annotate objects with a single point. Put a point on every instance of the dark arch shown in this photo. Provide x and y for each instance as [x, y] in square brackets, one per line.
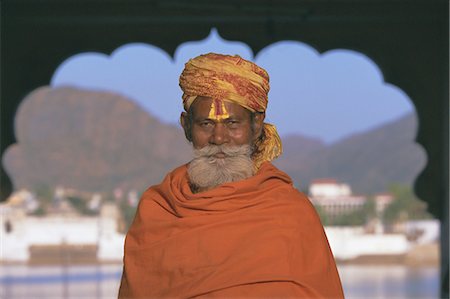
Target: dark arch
[408, 39]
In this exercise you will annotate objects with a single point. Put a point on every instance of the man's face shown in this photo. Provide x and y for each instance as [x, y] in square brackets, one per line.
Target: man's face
[222, 134]
[209, 128]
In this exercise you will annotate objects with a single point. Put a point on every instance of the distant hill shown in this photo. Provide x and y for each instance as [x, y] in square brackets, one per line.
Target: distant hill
[370, 162]
[97, 141]
[92, 141]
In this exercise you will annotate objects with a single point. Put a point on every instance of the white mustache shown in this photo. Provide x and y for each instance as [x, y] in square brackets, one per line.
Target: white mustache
[227, 150]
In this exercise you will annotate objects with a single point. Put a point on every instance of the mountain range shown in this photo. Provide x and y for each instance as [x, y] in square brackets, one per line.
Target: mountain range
[370, 162]
[99, 141]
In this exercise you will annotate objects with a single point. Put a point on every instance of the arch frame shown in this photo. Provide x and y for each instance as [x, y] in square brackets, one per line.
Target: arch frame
[408, 39]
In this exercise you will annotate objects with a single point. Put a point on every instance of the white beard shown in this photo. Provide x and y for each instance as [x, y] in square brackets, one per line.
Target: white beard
[207, 171]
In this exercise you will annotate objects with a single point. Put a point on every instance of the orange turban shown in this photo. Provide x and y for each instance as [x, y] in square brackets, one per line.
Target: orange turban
[233, 79]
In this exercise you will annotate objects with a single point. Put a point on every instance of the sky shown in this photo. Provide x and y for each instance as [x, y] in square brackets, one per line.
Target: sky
[328, 96]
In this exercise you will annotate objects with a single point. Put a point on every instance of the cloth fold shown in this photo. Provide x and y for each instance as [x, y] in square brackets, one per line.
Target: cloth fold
[225, 77]
[256, 237]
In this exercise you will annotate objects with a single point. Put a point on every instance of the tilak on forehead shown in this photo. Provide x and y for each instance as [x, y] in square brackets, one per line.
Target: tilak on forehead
[218, 111]
[233, 79]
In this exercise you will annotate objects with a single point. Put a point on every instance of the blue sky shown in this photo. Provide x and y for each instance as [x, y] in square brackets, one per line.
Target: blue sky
[327, 95]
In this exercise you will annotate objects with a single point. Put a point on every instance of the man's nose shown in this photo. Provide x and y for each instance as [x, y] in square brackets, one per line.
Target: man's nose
[220, 134]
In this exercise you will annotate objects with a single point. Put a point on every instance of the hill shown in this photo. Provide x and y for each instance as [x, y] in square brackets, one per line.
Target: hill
[91, 141]
[370, 162]
[98, 141]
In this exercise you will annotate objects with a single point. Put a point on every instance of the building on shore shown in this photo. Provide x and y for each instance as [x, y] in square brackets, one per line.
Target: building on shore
[369, 241]
[63, 236]
[60, 238]
[336, 199]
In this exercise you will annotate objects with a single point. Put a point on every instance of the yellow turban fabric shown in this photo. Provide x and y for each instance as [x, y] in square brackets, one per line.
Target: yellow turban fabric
[233, 79]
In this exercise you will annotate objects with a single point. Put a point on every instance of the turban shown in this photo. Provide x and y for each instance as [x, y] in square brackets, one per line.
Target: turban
[233, 79]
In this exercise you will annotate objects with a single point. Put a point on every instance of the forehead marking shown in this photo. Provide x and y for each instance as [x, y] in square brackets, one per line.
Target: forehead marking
[218, 111]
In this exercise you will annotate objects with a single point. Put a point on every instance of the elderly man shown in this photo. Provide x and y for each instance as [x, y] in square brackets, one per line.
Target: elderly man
[228, 224]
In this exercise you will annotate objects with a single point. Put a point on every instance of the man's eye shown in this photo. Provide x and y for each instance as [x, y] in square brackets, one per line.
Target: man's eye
[205, 124]
[232, 122]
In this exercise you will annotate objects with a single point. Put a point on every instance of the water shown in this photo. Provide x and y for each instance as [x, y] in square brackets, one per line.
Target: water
[392, 281]
[102, 281]
[48, 282]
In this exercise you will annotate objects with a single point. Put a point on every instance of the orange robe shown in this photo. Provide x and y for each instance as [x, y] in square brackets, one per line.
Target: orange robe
[259, 237]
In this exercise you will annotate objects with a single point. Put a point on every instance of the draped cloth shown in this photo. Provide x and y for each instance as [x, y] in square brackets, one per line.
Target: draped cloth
[233, 79]
[258, 237]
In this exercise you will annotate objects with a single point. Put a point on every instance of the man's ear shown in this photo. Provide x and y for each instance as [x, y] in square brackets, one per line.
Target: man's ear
[186, 124]
[258, 123]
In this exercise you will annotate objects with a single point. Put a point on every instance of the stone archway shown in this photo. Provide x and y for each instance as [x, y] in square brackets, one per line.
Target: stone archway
[407, 39]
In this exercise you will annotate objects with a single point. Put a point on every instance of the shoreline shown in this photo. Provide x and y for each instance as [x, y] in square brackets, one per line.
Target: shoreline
[418, 256]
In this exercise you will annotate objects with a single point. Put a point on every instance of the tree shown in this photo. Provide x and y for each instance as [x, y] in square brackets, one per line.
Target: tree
[322, 215]
[405, 206]
[357, 217]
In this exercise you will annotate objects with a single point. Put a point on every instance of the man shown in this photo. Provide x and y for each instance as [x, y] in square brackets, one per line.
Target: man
[228, 224]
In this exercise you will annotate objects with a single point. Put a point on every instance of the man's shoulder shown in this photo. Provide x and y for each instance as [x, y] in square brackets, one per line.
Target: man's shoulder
[182, 169]
[268, 169]
[279, 179]
[175, 174]
[283, 188]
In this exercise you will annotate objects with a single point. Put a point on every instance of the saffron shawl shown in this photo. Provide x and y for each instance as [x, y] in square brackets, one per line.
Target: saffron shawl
[258, 237]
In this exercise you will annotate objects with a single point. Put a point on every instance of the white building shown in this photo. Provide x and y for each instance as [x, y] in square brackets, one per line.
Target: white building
[352, 242]
[328, 188]
[334, 198]
[337, 199]
[25, 238]
[382, 200]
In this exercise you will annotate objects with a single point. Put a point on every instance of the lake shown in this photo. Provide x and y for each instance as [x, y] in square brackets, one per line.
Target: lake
[102, 281]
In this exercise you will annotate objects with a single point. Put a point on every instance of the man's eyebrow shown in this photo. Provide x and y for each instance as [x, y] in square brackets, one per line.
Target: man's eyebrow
[202, 119]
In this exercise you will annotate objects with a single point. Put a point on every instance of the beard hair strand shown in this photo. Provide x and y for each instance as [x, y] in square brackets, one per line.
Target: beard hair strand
[206, 171]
